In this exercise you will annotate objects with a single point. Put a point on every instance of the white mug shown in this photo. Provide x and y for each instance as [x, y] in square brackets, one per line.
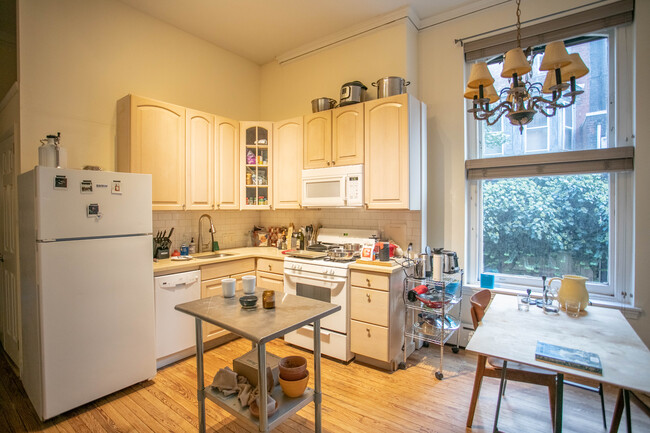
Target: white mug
[248, 283]
[228, 286]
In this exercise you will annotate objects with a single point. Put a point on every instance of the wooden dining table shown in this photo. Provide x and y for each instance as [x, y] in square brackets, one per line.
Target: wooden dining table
[512, 335]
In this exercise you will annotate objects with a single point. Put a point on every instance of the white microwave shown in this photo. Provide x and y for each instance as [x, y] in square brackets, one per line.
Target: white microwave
[333, 187]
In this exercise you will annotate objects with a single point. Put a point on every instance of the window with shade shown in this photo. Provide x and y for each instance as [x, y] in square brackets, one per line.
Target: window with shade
[540, 205]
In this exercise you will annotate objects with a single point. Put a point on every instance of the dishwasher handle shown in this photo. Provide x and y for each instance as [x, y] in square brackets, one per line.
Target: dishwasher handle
[166, 284]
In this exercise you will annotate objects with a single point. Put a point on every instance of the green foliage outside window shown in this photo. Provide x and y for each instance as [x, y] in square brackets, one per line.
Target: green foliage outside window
[547, 226]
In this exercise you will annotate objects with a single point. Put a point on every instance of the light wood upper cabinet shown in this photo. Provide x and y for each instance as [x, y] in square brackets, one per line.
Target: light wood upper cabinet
[199, 150]
[347, 135]
[151, 139]
[287, 163]
[393, 153]
[334, 137]
[256, 158]
[227, 163]
[318, 139]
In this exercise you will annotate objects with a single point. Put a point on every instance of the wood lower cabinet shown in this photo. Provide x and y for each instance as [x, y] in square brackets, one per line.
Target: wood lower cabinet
[212, 277]
[199, 151]
[287, 163]
[377, 318]
[151, 140]
[270, 274]
[334, 137]
[395, 130]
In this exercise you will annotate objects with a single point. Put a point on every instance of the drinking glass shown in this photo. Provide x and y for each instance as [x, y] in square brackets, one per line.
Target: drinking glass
[572, 308]
[522, 303]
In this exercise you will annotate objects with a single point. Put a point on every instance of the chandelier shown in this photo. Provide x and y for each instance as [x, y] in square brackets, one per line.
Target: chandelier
[525, 98]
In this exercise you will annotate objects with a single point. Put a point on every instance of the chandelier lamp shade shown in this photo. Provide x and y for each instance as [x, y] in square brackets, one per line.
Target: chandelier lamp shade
[524, 98]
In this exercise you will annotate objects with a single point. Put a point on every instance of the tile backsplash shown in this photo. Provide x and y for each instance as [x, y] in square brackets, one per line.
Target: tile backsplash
[233, 227]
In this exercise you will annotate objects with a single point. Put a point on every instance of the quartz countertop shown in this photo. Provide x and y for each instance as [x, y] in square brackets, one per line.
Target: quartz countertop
[169, 266]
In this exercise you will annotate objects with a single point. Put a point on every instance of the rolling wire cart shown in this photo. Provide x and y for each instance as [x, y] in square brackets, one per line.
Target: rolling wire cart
[428, 317]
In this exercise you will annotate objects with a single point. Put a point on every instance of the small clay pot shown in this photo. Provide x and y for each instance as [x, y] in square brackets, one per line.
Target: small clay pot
[293, 367]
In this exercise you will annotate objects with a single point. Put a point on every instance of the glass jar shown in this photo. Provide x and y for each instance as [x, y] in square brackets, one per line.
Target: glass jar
[268, 299]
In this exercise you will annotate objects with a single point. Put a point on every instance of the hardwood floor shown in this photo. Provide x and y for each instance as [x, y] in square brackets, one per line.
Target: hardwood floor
[357, 398]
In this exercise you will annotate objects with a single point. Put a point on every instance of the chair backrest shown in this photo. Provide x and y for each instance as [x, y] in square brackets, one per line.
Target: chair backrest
[479, 302]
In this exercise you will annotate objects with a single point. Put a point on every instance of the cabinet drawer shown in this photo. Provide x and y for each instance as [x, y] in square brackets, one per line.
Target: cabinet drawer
[268, 281]
[369, 306]
[369, 340]
[224, 269]
[268, 265]
[369, 280]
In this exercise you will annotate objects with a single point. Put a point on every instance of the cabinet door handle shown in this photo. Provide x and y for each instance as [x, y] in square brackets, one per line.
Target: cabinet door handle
[368, 331]
[328, 163]
[368, 296]
[368, 281]
[269, 267]
[333, 162]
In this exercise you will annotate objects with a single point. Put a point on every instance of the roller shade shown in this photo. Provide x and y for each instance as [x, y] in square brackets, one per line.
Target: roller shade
[558, 163]
[610, 15]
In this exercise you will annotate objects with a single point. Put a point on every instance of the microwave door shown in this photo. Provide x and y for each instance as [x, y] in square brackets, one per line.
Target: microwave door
[326, 191]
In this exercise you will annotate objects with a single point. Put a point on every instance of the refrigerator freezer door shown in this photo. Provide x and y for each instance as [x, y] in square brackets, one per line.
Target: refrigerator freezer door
[72, 204]
[97, 319]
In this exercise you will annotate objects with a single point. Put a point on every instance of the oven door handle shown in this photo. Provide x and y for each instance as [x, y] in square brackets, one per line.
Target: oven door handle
[322, 331]
[311, 277]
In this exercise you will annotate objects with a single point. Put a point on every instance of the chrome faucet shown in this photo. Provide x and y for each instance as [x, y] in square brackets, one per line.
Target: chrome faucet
[211, 230]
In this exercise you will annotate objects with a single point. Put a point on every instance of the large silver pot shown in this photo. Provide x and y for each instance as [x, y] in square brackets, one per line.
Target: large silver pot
[322, 104]
[390, 86]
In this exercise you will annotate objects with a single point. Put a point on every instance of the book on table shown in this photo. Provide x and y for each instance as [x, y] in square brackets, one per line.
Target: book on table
[568, 357]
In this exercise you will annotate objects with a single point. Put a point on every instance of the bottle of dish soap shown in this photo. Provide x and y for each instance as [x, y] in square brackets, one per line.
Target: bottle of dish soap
[192, 247]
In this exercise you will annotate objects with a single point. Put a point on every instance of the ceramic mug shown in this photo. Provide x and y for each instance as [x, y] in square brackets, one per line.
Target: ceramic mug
[248, 283]
[228, 287]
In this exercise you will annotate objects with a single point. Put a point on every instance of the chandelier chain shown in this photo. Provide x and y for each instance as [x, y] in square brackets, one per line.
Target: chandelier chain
[518, 24]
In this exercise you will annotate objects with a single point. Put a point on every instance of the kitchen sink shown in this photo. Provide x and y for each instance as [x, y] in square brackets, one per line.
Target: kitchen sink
[213, 256]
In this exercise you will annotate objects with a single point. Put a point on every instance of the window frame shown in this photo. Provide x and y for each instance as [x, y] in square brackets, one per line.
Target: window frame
[620, 287]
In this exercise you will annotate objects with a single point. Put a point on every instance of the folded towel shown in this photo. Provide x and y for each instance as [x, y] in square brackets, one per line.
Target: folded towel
[226, 381]
[255, 397]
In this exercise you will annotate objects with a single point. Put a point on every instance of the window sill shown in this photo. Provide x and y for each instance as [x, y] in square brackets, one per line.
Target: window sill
[628, 311]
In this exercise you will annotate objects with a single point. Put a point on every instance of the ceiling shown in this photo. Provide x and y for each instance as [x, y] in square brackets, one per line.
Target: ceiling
[260, 30]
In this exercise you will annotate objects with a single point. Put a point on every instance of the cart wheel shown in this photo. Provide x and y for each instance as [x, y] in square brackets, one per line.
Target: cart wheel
[402, 365]
[425, 344]
[439, 375]
[455, 349]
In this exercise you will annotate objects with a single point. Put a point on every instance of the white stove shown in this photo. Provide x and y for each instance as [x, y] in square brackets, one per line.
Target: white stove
[328, 281]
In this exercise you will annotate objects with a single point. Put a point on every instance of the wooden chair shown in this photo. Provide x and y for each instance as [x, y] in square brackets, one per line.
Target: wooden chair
[491, 367]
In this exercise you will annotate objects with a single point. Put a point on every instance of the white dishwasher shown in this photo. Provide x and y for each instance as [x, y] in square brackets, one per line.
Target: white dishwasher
[175, 332]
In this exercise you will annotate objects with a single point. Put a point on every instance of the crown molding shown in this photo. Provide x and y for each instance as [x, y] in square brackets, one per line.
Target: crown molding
[405, 12]
[469, 9]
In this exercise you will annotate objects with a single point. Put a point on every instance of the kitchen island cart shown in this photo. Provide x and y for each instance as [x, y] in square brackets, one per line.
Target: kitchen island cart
[260, 326]
[430, 306]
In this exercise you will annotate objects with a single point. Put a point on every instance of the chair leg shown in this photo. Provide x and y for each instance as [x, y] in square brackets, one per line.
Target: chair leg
[618, 412]
[478, 379]
[602, 404]
[551, 399]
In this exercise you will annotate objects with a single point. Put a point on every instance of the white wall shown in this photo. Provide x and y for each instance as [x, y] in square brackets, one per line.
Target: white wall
[287, 89]
[77, 58]
[641, 173]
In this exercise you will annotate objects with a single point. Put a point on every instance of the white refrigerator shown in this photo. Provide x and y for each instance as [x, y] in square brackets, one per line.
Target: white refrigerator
[87, 292]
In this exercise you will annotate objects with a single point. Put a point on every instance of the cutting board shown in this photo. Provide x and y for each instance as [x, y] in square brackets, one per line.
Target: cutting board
[304, 254]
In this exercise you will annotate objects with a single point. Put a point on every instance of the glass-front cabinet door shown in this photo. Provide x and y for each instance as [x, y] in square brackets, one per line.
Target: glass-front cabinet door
[256, 162]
